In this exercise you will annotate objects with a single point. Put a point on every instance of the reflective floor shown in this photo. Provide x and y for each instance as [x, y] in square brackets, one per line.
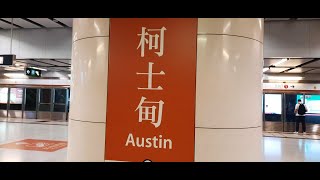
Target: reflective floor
[276, 149]
[11, 132]
[291, 150]
[34, 121]
[291, 135]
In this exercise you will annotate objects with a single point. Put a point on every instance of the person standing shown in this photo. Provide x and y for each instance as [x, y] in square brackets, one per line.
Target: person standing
[300, 111]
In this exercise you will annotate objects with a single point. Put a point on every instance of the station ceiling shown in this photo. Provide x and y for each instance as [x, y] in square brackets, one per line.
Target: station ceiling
[25, 23]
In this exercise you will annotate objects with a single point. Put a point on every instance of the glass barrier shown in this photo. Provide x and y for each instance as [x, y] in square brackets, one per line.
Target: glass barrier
[16, 95]
[31, 99]
[3, 98]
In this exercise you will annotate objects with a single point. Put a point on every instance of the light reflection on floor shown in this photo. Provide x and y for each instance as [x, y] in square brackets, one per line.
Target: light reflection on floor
[291, 150]
[275, 149]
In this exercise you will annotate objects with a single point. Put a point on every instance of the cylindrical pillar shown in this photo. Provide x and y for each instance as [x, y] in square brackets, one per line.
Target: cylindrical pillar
[87, 118]
[229, 90]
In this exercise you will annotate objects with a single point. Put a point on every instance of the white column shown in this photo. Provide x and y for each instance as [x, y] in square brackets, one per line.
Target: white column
[229, 90]
[87, 119]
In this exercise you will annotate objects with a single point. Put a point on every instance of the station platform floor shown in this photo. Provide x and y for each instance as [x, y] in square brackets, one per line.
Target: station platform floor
[34, 121]
[45, 142]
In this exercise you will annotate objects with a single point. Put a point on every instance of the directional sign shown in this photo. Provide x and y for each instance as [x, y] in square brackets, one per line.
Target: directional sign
[33, 72]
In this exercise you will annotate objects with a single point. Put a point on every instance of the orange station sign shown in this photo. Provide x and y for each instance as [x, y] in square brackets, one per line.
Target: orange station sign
[151, 89]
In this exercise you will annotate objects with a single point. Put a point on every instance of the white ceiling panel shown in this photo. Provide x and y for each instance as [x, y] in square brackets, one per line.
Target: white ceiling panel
[4, 25]
[45, 22]
[299, 70]
[66, 21]
[22, 23]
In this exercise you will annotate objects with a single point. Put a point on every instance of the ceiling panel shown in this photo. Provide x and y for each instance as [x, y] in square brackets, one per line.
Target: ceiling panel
[294, 62]
[314, 64]
[33, 63]
[308, 18]
[288, 63]
[276, 19]
[20, 63]
[4, 25]
[66, 21]
[299, 70]
[61, 68]
[21, 22]
[45, 22]
[25, 62]
[56, 63]
[67, 61]
[314, 71]
[276, 70]
[269, 62]
[64, 60]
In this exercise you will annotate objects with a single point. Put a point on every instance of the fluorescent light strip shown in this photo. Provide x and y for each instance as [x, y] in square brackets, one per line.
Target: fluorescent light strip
[39, 68]
[265, 69]
[281, 61]
[285, 78]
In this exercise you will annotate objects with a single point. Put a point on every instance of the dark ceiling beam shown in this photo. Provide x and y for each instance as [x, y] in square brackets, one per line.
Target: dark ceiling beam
[42, 62]
[5, 21]
[288, 67]
[48, 67]
[32, 22]
[54, 66]
[25, 63]
[60, 62]
[58, 22]
[300, 81]
[289, 58]
[308, 62]
[308, 71]
[300, 65]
